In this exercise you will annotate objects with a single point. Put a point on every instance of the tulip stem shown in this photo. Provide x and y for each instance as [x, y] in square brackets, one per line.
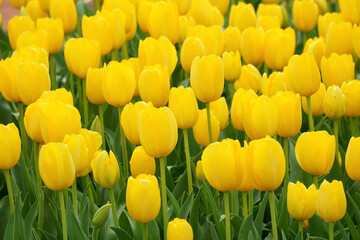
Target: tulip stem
[316, 181]
[232, 84]
[91, 197]
[52, 72]
[273, 214]
[163, 194]
[331, 231]
[63, 215]
[187, 155]
[209, 122]
[114, 54]
[123, 146]
[71, 80]
[97, 5]
[234, 202]
[301, 230]
[125, 54]
[145, 231]
[95, 233]
[251, 196]
[23, 133]
[336, 133]
[227, 215]
[101, 115]
[85, 103]
[304, 38]
[9, 188]
[113, 207]
[266, 69]
[245, 208]
[39, 187]
[354, 127]
[311, 121]
[286, 152]
[74, 195]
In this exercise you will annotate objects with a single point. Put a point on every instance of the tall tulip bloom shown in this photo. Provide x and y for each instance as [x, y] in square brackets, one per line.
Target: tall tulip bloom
[273, 84]
[351, 90]
[316, 47]
[250, 78]
[242, 16]
[270, 9]
[141, 162]
[232, 65]
[9, 71]
[325, 20]
[212, 37]
[220, 110]
[316, 100]
[191, 48]
[38, 38]
[205, 14]
[332, 41]
[301, 201]
[94, 78]
[349, 10]
[241, 102]
[252, 45]
[305, 14]
[232, 39]
[356, 39]
[352, 159]
[337, 69]
[185, 22]
[55, 32]
[179, 229]
[334, 103]
[201, 129]
[66, 11]
[18, 25]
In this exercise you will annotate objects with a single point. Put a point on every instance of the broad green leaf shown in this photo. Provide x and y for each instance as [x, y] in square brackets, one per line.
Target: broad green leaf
[248, 225]
[75, 231]
[354, 232]
[185, 208]
[121, 234]
[259, 225]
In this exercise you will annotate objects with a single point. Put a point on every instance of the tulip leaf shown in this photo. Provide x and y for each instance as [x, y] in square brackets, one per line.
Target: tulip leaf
[213, 232]
[54, 216]
[194, 214]
[121, 234]
[260, 214]
[342, 231]
[174, 202]
[75, 231]
[5, 214]
[185, 208]
[354, 205]
[353, 231]
[47, 235]
[10, 230]
[153, 228]
[283, 215]
[85, 218]
[29, 219]
[246, 227]
[317, 227]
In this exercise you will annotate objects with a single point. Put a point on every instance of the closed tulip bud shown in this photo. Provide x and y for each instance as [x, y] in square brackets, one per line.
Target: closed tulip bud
[331, 201]
[81, 54]
[325, 20]
[350, 10]
[279, 46]
[273, 84]
[55, 32]
[191, 48]
[32, 120]
[270, 9]
[143, 198]
[94, 79]
[289, 112]
[316, 47]
[158, 51]
[18, 25]
[232, 39]
[78, 150]
[201, 130]
[351, 90]
[45, 5]
[134, 63]
[232, 65]
[301, 201]
[250, 78]
[117, 20]
[60, 94]
[105, 169]
[56, 166]
[141, 163]
[179, 229]
[17, 3]
[157, 131]
[34, 10]
[183, 6]
[10, 146]
[305, 14]
[58, 119]
[247, 182]
[356, 39]
[200, 175]
[32, 53]
[267, 22]
[185, 22]
[221, 111]
[317, 100]
[252, 45]
[205, 14]
[241, 101]
[182, 102]
[96, 125]
[101, 215]
[38, 38]
[207, 78]
[242, 16]
[302, 74]
[315, 161]
[336, 45]
[212, 38]
[66, 11]
[334, 103]
[9, 69]
[268, 163]
[337, 69]
[261, 118]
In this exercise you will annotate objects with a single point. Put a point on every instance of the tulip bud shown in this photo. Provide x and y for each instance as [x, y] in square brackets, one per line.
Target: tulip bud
[56, 166]
[105, 169]
[241, 101]
[93, 142]
[356, 39]
[201, 130]
[38, 38]
[200, 175]
[315, 161]
[101, 215]
[301, 202]
[96, 125]
[270, 9]
[94, 78]
[334, 103]
[317, 100]
[55, 32]
[143, 12]
[66, 11]
[267, 22]
[337, 69]
[10, 146]
[18, 25]
[305, 14]
[242, 16]
[316, 47]
[232, 39]
[221, 111]
[179, 229]
[207, 78]
[325, 20]
[117, 21]
[333, 44]
[212, 38]
[32, 120]
[134, 63]
[268, 163]
[252, 45]
[331, 201]
[185, 22]
[352, 159]
[232, 65]
[273, 84]
[351, 90]
[279, 46]
[60, 94]
[349, 10]
[32, 53]
[9, 69]
[205, 14]
[143, 198]
[250, 78]
[182, 102]
[34, 10]
[191, 48]
[78, 150]
[141, 163]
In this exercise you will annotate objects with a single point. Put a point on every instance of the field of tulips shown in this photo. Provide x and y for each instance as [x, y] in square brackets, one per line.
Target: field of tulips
[180, 120]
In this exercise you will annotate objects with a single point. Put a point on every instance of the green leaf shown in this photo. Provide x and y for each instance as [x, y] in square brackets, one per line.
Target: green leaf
[185, 208]
[354, 205]
[75, 231]
[259, 225]
[174, 202]
[194, 214]
[283, 217]
[10, 228]
[248, 225]
[29, 220]
[153, 229]
[85, 218]
[47, 235]
[121, 234]
[317, 227]
[5, 214]
[342, 231]
[353, 231]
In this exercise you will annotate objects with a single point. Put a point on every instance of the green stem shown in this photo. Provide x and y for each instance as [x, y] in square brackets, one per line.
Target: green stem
[163, 194]
[125, 54]
[331, 231]
[113, 207]
[301, 230]
[311, 121]
[336, 133]
[209, 122]
[97, 5]
[80, 101]
[354, 128]
[91, 197]
[234, 202]
[232, 84]
[304, 38]
[186, 75]
[227, 215]
[145, 231]
[245, 210]
[22, 129]
[101, 115]
[52, 72]
[9, 188]
[316, 181]
[71, 80]
[74, 195]
[86, 117]
[95, 233]
[63, 215]
[115, 55]
[286, 152]
[39, 187]
[273, 214]
[123, 146]
[187, 155]
[266, 69]
[251, 197]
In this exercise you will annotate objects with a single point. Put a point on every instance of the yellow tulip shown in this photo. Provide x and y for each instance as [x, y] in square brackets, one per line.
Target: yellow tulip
[212, 37]
[134, 63]
[267, 162]
[105, 169]
[273, 84]
[183, 6]
[56, 166]
[334, 44]
[316, 161]
[18, 25]
[9, 69]
[33, 53]
[45, 5]
[60, 94]
[191, 48]
[94, 79]
[232, 39]
[222, 164]
[117, 20]
[267, 22]
[207, 78]
[305, 14]
[290, 115]
[222, 5]
[143, 198]
[205, 14]
[141, 163]
[78, 150]
[232, 65]
[322, 5]
[270, 9]
[337, 69]
[158, 131]
[356, 39]
[34, 10]
[201, 130]
[301, 201]
[334, 103]
[331, 201]
[242, 16]
[81, 54]
[241, 101]
[271, 1]
[32, 120]
[58, 119]
[185, 22]
[316, 47]
[351, 90]
[38, 38]
[179, 229]
[200, 175]
[158, 51]
[143, 12]
[252, 45]
[182, 102]
[221, 111]
[350, 10]
[66, 11]
[325, 20]
[352, 159]
[317, 100]
[17, 3]
[55, 32]
[250, 78]
[10, 146]
[247, 182]
[279, 46]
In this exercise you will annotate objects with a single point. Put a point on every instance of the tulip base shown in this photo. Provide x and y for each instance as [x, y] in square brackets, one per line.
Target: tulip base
[145, 234]
[163, 194]
[63, 214]
[123, 146]
[227, 215]
[188, 164]
[311, 121]
[331, 231]
[39, 187]
[113, 207]
[273, 215]
[301, 230]
[9, 188]
[209, 122]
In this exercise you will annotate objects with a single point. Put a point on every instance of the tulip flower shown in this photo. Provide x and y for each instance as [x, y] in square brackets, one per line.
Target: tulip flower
[201, 129]
[316, 47]
[221, 5]
[305, 14]
[185, 22]
[141, 163]
[179, 229]
[32, 53]
[337, 69]
[101, 216]
[94, 78]
[317, 100]
[143, 12]
[200, 175]
[351, 90]
[134, 63]
[349, 10]
[273, 84]
[334, 103]
[336, 45]
[241, 101]
[9, 69]
[271, 10]
[301, 201]
[267, 22]
[18, 25]
[247, 182]
[325, 20]
[191, 48]
[242, 16]
[232, 39]
[34, 10]
[232, 65]
[45, 5]
[212, 37]
[205, 14]
[66, 11]
[60, 94]
[356, 39]
[55, 32]
[221, 111]
[38, 38]
[17, 3]
[183, 6]
[252, 45]
[352, 159]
